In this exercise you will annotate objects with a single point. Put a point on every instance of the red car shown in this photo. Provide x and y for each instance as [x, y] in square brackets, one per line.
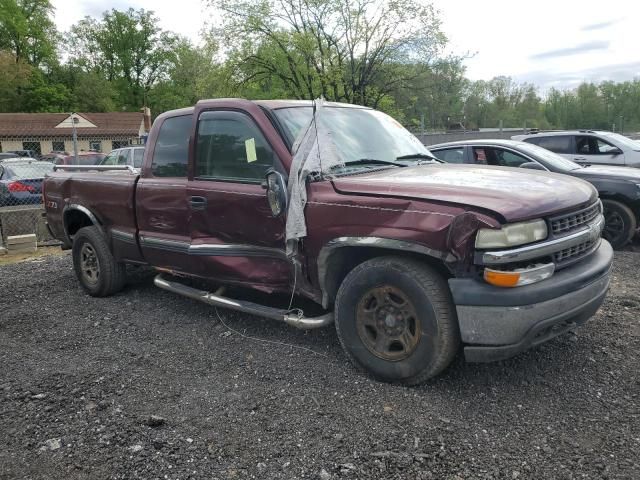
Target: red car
[84, 158]
[408, 256]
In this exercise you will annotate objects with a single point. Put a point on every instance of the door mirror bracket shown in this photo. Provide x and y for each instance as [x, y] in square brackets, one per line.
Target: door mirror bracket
[276, 192]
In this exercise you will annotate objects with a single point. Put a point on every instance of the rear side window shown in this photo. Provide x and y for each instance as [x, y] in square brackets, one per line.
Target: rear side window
[498, 157]
[137, 157]
[231, 147]
[450, 155]
[555, 143]
[171, 152]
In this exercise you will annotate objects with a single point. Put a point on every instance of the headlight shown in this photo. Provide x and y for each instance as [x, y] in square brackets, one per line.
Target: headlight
[512, 235]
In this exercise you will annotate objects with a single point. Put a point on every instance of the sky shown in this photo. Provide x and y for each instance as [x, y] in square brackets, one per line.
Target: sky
[551, 43]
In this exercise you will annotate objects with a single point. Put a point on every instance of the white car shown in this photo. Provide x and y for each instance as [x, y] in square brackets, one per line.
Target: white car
[588, 146]
[131, 156]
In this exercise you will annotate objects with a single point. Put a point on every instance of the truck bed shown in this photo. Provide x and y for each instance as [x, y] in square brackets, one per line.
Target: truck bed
[109, 196]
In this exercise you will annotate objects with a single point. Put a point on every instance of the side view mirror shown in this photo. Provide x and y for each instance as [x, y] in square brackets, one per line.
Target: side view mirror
[615, 151]
[532, 166]
[276, 192]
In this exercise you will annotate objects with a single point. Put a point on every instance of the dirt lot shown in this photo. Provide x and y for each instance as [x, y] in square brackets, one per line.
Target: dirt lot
[81, 378]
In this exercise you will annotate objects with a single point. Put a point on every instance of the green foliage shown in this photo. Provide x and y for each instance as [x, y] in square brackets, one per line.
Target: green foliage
[127, 48]
[387, 55]
[355, 51]
[27, 31]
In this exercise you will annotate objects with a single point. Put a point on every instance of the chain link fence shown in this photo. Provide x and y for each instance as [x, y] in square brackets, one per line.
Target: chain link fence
[25, 159]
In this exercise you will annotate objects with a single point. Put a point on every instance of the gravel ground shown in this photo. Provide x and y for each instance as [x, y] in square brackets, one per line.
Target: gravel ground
[147, 384]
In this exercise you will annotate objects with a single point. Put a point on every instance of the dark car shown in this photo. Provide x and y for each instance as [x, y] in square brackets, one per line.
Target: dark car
[7, 155]
[619, 187]
[21, 181]
[131, 156]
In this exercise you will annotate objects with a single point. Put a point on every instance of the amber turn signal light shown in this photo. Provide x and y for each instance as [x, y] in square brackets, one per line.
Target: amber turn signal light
[501, 279]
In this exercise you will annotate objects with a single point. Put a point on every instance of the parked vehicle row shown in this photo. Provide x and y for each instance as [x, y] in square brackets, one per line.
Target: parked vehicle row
[21, 181]
[618, 187]
[588, 146]
[21, 176]
[409, 257]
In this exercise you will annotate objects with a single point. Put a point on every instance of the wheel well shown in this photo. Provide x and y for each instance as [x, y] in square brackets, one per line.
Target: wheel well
[74, 220]
[344, 259]
[633, 205]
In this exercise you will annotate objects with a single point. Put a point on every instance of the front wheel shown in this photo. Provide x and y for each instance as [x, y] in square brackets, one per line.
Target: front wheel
[96, 268]
[619, 223]
[395, 318]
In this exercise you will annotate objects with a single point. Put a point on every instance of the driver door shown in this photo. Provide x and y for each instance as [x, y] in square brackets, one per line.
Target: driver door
[594, 150]
[234, 236]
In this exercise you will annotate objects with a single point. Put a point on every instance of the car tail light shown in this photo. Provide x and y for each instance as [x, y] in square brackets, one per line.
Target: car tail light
[20, 187]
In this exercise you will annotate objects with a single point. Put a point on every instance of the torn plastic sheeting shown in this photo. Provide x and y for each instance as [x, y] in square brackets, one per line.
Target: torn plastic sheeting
[314, 152]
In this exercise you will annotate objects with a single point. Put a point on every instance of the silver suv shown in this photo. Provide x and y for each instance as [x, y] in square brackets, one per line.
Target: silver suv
[588, 146]
[125, 156]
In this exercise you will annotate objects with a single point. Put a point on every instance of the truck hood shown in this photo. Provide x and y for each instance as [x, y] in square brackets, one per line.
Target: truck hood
[610, 173]
[511, 193]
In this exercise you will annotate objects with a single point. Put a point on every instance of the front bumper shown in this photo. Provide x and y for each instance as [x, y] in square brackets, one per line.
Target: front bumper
[498, 323]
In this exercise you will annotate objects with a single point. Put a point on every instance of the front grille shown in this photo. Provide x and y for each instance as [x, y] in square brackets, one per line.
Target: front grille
[573, 252]
[571, 221]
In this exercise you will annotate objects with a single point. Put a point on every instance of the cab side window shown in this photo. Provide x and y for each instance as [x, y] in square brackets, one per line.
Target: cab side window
[230, 146]
[171, 151]
[588, 145]
[450, 155]
[111, 159]
[123, 157]
[138, 154]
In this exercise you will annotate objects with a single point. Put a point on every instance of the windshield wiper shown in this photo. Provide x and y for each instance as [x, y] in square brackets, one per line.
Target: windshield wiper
[416, 155]
[375, 161]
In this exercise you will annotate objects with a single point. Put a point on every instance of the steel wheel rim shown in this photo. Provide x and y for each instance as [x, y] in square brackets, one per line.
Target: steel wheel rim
[387, 323]
[89, 264]
[613, 225]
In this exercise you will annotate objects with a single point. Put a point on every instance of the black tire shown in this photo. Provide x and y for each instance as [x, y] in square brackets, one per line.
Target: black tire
[620, 223]
[111, 275]
[426, 291]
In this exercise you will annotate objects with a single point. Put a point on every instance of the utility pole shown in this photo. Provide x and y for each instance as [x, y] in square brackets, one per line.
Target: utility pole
[74, 120]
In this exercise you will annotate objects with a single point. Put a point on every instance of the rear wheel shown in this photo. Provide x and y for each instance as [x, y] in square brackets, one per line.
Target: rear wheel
[96, 268]
[395, 319]
[620, 223]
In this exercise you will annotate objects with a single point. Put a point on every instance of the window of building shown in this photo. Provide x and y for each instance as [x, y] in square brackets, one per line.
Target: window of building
[119, 144]
[171, 151]
[95, 145]
[57, 146]
[32, 146]
[231, 147]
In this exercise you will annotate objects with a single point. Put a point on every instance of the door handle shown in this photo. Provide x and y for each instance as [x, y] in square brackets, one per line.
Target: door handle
[198, 203]
[580, 159]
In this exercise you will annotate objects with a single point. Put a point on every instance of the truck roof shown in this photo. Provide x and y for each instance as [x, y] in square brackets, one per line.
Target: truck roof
[270, 104]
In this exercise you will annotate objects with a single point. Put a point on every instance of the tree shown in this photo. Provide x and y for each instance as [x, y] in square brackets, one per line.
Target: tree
[14, 78]
[27, 30]
[127, 48]
[344, 50]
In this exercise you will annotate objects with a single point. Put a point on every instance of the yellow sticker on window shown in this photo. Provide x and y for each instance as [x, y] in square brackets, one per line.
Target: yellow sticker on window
[250, 147]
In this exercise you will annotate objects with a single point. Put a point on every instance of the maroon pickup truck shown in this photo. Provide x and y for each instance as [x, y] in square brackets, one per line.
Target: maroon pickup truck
[409, 257]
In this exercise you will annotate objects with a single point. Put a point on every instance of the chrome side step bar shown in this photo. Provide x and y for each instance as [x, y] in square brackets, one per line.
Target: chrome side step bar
[215, 299]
